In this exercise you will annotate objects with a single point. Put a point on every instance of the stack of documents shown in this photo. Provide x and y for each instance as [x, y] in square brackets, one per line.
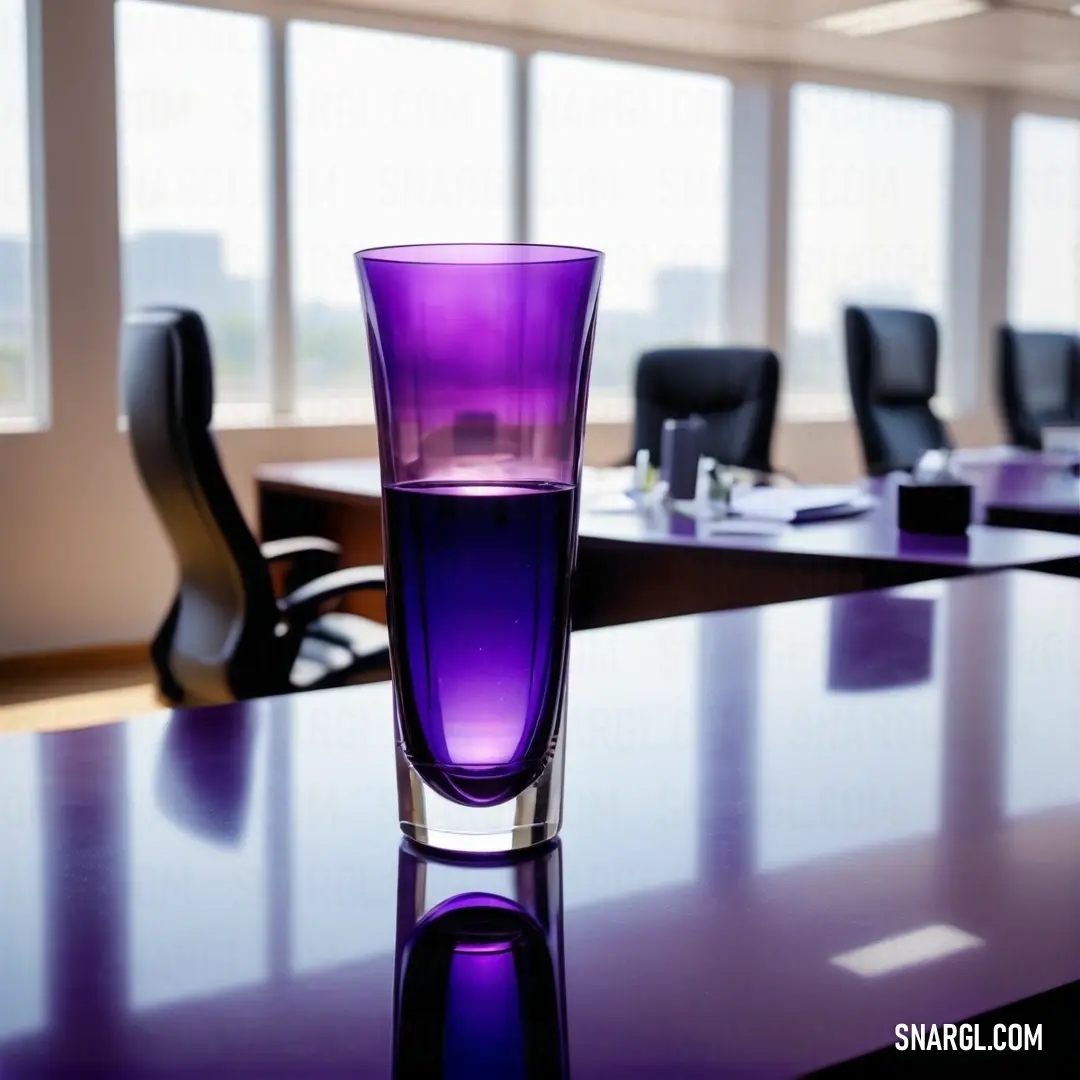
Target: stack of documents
[800, 504]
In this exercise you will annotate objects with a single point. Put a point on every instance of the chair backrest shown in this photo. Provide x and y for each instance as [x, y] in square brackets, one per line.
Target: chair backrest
[892, 360]
[1038, 383]
[223, 643]
[734, 391]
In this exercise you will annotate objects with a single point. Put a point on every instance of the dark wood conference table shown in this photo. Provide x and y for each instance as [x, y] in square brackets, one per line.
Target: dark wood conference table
[787, 831]
[634, 566]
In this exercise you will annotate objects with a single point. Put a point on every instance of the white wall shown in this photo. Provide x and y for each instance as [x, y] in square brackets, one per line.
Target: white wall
[82, 559]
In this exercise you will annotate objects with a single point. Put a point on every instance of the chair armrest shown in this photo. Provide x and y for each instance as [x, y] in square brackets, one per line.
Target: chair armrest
[302, 605]
[305, 558]
[281, 550]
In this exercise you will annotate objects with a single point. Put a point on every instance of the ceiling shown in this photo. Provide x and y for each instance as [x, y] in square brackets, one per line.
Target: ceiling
[1027, 45]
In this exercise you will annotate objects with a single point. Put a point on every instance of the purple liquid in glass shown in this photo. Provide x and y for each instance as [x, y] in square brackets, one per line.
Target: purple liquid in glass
[478, 608]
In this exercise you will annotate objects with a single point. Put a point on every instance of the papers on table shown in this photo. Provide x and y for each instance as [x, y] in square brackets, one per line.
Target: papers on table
[609, 479]
[754, 511]
[742, 527]
[614, 502]
[1061, 437]
[607, 491]
[800, 504]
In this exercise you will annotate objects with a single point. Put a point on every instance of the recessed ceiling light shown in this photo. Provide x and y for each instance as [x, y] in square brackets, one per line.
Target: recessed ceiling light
[906, 950]
[1075, 10]
[900, 15]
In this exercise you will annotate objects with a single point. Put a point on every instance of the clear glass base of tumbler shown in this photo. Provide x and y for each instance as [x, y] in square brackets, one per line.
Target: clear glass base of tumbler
[434, 821]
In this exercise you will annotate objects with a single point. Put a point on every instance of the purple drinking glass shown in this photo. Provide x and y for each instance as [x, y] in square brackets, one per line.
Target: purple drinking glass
[480, 358]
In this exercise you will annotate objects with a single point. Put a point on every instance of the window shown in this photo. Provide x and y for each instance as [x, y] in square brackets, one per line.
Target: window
[393, 139]
[18, 393]
[634, 161]
[1044, 271]
[870, 183]
[194, 156]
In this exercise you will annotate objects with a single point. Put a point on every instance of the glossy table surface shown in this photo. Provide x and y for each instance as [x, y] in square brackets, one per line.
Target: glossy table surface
[751, 796]
[1057, 491]
[1032, 490]
[871, 536]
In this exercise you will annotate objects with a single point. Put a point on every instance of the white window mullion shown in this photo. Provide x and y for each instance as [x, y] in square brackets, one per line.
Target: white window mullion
[282, 369]
[959, 380]
[987, 246]
[979, 269]
[520, 146]
[40, 376]
[777, 239]
[756, 286]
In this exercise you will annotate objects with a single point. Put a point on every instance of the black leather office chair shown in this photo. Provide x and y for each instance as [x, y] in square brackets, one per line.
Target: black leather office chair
[1038, 383]
[892, 359]
[227, 637]
[734, 391]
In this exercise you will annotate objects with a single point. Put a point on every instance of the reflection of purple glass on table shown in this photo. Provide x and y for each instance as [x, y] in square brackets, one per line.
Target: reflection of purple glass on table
[477, 995]
[479, 974]
[480, 358]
